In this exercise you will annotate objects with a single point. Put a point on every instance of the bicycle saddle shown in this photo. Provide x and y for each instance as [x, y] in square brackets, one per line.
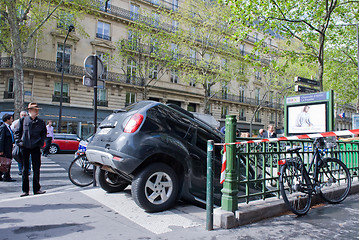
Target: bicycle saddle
[294, 149]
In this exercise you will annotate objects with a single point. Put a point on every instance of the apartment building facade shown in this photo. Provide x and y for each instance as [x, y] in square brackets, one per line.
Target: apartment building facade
[43, 68]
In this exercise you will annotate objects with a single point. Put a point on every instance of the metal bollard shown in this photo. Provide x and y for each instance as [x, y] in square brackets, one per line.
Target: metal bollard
[209, 200]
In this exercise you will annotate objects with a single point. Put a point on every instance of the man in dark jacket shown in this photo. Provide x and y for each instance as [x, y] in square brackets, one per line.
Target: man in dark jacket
[6, 143]
[31, 135]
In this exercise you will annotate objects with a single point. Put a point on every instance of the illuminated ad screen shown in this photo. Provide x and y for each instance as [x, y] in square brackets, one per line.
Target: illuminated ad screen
[308, 118]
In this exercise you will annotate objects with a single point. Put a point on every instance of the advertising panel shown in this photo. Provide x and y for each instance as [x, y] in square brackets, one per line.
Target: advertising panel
[310, 118]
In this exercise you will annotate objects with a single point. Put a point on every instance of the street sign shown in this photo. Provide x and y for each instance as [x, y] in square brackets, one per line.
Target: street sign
[306, 81]
[299, 88]
[89, 82]
[88, 64]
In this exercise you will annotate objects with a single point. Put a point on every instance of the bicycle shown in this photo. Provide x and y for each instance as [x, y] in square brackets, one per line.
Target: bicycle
[81, 170]
[326, 176]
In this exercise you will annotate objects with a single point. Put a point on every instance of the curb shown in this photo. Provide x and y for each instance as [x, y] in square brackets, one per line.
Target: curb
[259, 210]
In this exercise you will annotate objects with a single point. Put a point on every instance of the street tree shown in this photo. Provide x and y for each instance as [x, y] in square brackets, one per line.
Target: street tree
[308, 22]
[192, 43]
[21, 22]
[341, 61]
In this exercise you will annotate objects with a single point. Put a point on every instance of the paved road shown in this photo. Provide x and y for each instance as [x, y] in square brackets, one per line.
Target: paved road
[69, 212]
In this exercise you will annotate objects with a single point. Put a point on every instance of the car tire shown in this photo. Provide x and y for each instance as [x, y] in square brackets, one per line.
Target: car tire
[54, 149]
[110, 182]
[155, 188]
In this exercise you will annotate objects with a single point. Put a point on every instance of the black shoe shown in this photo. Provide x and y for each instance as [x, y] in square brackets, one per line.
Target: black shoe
[24, 194]
[39, 192]
[20, 173]
[9, 180]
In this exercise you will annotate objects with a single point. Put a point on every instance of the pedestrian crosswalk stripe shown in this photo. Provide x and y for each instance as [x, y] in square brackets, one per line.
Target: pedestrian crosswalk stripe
[123, 204]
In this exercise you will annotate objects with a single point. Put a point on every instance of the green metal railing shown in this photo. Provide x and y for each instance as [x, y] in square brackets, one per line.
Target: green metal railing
[255, 165]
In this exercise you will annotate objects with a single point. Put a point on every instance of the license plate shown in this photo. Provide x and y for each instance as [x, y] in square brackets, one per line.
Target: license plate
[104, 131]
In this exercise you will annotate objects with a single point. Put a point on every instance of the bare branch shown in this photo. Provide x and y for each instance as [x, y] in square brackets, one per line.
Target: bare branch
[24, 15]
[32, 34]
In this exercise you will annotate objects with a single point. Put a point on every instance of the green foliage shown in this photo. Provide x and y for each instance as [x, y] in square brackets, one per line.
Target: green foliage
[301, 20]
[194, 40]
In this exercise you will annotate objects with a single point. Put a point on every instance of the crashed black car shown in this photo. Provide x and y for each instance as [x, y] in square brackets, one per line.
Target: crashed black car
[159, 149]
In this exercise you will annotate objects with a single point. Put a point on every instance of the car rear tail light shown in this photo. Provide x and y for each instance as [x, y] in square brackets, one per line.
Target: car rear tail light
[134, 123]
[117, 158]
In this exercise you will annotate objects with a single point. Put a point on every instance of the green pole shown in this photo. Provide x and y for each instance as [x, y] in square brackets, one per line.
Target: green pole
[209, 202]
[230, 185]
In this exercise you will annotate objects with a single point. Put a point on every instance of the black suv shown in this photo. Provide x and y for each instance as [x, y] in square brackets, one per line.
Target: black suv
[160, 150]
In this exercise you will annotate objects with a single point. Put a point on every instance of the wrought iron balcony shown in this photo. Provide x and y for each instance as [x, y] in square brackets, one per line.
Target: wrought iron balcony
[242, 118]
[258, 120]
[56, 98]
[8, 95]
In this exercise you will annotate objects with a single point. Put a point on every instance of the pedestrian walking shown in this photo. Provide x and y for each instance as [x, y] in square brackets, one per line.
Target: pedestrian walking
[261, 133]
[49, 138]
[14, 126]
[31, 135]
[6, 143]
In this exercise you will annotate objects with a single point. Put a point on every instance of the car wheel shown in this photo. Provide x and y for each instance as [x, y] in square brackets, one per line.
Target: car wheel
[53, 149]
[155, 188]
[110, 182]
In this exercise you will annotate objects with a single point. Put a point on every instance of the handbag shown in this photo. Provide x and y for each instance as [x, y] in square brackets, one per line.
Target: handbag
[17, 153]
[4, 164]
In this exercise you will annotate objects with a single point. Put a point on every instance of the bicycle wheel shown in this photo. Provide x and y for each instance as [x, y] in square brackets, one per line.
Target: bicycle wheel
[81, 171]
[334, 179]
[294, 188]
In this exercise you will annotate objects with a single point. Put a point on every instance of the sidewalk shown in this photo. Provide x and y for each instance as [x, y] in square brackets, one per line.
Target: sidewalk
[259, 210]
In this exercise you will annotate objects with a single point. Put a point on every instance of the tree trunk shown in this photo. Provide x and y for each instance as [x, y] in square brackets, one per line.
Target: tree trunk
[17, 56]
[321, 59]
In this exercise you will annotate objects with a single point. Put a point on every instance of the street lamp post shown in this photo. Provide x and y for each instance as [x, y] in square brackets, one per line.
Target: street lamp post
[70, 29]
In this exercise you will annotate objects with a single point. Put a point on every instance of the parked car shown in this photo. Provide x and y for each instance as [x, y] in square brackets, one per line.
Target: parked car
[64, 142]
[159, 149]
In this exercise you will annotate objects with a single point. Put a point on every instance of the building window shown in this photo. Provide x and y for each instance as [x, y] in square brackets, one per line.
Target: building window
[9, 93]
[242, 49]
[155, 20]
[224, 63]
[242, 115]
[271, 118]
[105, 59]
[241, 68]
[256, 38]
[257, 96]
[131, 70]
[192, 55]
[132, 40]
[67, 58]
[258, 117]
[57, 92]
[130, 98]
[153, 45]
[102, 97]
[224, 91]
[153, 71]
[191, 107]
[241, 93]
[174, 50]
[192, 82]
[103, 30]
[134, 11]
[174, 76]
[224, 111]
[174, 25]
[257, 74]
